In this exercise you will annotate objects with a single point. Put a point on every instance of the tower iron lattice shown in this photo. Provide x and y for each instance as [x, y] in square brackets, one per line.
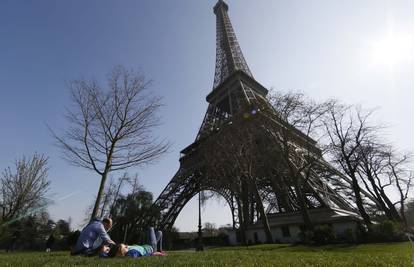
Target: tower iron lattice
[235, 91]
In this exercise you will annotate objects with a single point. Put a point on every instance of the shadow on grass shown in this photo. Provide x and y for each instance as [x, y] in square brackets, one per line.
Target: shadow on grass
[290, 247]
[344, 248]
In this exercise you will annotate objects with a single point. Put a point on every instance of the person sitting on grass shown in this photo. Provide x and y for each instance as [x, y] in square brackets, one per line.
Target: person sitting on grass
[93, 237]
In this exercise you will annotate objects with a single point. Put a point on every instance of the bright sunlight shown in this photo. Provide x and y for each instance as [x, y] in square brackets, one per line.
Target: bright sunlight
[393, 49]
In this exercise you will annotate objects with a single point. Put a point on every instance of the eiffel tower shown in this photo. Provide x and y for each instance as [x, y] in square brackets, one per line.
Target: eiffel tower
[234, 90]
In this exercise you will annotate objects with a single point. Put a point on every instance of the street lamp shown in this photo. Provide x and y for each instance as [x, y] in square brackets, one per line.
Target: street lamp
[3, 208]
[200, 246]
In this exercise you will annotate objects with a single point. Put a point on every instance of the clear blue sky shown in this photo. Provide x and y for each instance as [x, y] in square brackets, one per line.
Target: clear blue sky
[357, 51]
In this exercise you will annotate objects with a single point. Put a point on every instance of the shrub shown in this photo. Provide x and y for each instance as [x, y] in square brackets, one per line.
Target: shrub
[348, 236]
[305, 237]
[323, 234]
[386, 231]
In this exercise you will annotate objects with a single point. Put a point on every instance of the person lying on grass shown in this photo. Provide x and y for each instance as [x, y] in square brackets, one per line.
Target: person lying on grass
[121, 250]
[134, 251]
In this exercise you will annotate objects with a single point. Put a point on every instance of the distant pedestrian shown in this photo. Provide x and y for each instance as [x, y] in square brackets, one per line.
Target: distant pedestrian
[12, 245]
[49, 243]
[72, 239]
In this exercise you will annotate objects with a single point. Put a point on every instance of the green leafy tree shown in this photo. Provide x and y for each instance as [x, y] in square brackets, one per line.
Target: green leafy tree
[132, 214]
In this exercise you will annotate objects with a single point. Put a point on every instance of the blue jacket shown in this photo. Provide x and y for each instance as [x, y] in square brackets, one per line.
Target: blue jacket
[139, 251]
[91, 237]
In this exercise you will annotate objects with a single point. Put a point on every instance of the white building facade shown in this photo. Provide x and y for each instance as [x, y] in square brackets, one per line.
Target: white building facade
[287, 228]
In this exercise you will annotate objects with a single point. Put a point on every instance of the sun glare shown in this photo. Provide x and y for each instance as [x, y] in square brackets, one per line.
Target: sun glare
[393, 50]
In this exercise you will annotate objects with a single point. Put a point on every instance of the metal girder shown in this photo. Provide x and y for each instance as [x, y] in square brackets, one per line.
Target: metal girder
[183, 187]
[229, 57]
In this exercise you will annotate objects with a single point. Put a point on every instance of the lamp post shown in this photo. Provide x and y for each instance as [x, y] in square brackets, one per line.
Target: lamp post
[200, 246]
[3, 208]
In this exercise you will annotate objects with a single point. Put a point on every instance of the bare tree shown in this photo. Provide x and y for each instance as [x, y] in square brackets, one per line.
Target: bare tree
[348, 130]
[375, 173]
[230, 163]
[357, 146]
[300, 111]
[296, 136]
[403, 178]
[135, 184]
[111, 193]
[24, 189]
[111, 130]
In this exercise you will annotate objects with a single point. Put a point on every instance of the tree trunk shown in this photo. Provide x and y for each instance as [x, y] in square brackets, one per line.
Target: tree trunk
[404, 218]
[298, 182]
[281, 196]
[380, 197]
[105, 202]
[117, 193]
[383, 205]
[99, 196]
[252, 211]
[403, 196]
[391, 207]
[359, 203]
[232, 217]
[243, 240]
[125, 233]
[263, 216]
[303, 209]
[245, 203]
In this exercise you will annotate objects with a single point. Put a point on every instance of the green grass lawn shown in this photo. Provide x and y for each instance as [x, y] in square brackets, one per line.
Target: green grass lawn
[393, 254]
